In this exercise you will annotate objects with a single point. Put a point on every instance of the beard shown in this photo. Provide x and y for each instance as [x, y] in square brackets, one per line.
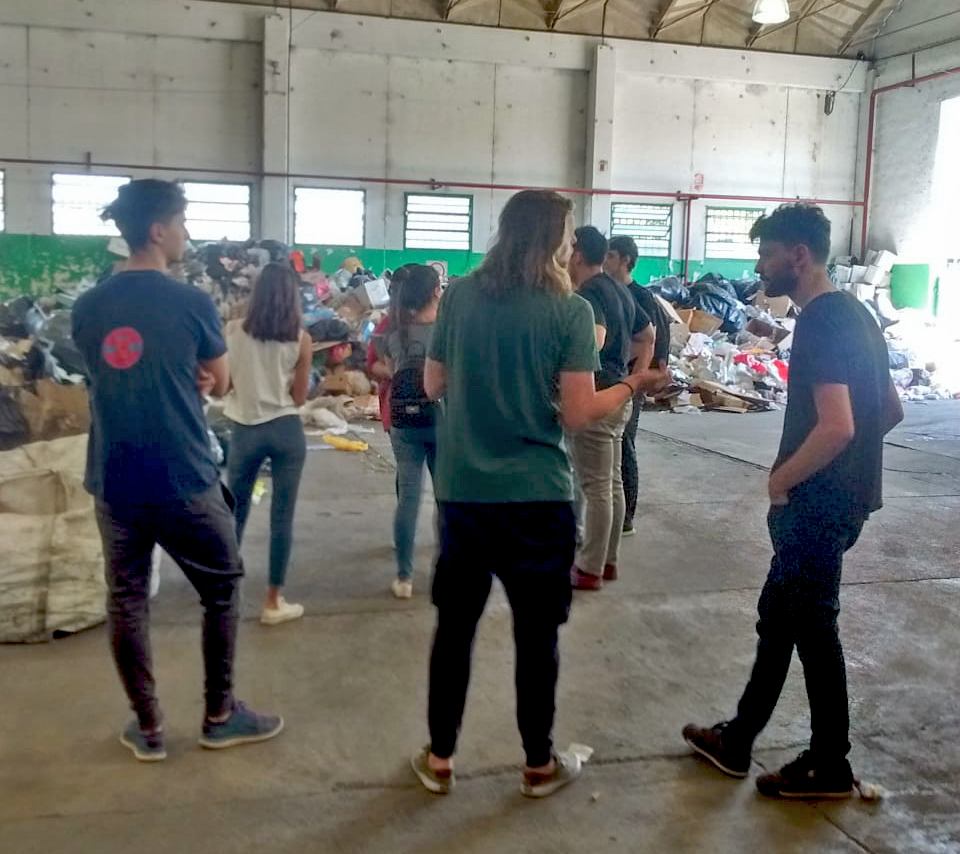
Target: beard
[783, 285]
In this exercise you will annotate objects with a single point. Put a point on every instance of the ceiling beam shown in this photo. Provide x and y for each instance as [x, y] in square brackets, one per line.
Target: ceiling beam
[554, 14]
[659, 19]
[551, 11]
[704, 8]
[867, 13]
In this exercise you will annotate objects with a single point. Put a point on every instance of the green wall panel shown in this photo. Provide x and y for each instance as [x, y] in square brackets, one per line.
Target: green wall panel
[38, 264]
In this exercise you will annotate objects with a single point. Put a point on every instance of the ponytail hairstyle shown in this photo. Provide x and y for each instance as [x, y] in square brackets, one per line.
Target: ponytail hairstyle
[412, 288]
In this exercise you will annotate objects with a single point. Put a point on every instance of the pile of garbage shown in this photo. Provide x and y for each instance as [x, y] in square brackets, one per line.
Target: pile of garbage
[42, 391]
[227, 270]
[729, 345]
[340, 312]
[924, 354]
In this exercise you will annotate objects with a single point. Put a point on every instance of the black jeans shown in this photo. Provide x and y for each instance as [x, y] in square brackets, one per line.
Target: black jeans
[282, 442]
[798, 608]
[530, 547]
[629, 467]
[200, 535]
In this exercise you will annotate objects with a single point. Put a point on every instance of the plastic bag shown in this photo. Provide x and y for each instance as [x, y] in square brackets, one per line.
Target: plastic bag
[56, 332]
[672, 290]
[720, 301]
[329, 329]
[13, 317]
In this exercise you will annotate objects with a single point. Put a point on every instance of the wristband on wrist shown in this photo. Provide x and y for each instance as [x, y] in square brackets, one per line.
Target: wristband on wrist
[633, 391]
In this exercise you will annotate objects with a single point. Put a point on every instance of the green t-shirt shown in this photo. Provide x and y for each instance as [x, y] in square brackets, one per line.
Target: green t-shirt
[500, 439]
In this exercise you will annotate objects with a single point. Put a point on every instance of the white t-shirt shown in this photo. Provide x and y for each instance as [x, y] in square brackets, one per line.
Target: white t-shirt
[262, 374]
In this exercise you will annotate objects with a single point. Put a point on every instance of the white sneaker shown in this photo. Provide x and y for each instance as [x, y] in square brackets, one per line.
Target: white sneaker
[283, 613]
[402, 589]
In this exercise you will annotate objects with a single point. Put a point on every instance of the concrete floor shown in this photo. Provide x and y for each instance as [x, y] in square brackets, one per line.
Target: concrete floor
[670, 642]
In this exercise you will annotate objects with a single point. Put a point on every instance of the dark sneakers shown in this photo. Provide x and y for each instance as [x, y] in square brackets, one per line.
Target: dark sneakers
[610, 572]
[244, 726]
[146, 747]
[709, 744]
[806, 778]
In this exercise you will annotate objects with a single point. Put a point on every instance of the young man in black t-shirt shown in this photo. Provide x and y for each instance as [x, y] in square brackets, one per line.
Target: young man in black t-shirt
[623, 334]
[152, 346]
[824, 484]
[621, 258]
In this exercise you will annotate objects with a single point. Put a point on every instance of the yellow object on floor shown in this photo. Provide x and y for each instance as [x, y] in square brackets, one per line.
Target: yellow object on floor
[342, 444]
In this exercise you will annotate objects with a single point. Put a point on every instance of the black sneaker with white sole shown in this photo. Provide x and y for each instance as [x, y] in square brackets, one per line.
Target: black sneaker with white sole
[807, 778]
[708, 742]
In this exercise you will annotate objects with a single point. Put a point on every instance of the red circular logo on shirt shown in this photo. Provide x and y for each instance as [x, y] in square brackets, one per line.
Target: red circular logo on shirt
[122, 348]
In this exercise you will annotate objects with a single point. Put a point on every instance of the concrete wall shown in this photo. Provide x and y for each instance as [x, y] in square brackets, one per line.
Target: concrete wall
[332, 99]
[902, 213]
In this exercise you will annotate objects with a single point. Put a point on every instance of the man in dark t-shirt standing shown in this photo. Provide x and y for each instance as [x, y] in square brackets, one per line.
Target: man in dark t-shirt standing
[623, 334]
[824, 484]
[621, 258]
[152, 346]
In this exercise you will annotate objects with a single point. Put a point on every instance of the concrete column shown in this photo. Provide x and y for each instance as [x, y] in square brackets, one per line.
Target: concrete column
[276, 204]
[861, 163]
[600, 106]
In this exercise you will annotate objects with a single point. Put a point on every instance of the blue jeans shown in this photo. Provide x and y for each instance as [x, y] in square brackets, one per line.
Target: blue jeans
[411, 449]
[282, 442]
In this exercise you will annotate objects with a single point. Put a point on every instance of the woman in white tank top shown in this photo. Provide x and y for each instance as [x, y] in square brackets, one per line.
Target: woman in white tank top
[270, 362]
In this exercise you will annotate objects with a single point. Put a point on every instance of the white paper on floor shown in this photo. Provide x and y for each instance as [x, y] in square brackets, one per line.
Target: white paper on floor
[581, 750]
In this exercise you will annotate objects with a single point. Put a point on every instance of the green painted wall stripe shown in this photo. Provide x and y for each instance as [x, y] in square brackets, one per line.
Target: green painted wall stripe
[38, 264]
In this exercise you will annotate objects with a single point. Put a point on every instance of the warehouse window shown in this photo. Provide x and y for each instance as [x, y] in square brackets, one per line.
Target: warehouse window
[728, 232]
[218, 211]
[437, 222]
[648, 225]
[78, 201]
[329, 217]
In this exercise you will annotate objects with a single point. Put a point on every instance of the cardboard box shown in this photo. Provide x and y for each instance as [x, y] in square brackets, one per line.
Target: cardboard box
[55, 410]
[762, 329]
[875, 276]
[779, 306]
[864, 291]
[669, 310]
[351, 309]
[843, 274]
[700, 321]
[857, 273]
[776, 306]
[375, 294]
[884, 260]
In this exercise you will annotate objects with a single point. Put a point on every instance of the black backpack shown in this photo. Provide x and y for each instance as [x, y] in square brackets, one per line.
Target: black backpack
[409, 405]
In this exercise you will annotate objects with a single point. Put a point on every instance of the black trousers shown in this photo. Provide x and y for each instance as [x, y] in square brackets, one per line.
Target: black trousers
[798, 608]
[530, 547]
[200, 535]
[629, 467]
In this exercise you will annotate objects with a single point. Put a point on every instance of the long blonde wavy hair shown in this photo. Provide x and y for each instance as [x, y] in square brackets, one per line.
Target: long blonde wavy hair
[528, 247]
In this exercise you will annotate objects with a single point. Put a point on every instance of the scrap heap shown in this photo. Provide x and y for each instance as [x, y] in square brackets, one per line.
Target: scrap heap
[729, 345]
[42, 395]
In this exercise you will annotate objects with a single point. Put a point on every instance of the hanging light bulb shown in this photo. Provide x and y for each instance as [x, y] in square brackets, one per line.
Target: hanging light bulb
[771, 11]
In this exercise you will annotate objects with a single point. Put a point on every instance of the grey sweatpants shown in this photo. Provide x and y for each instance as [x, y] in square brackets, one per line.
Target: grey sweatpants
[597, 457]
